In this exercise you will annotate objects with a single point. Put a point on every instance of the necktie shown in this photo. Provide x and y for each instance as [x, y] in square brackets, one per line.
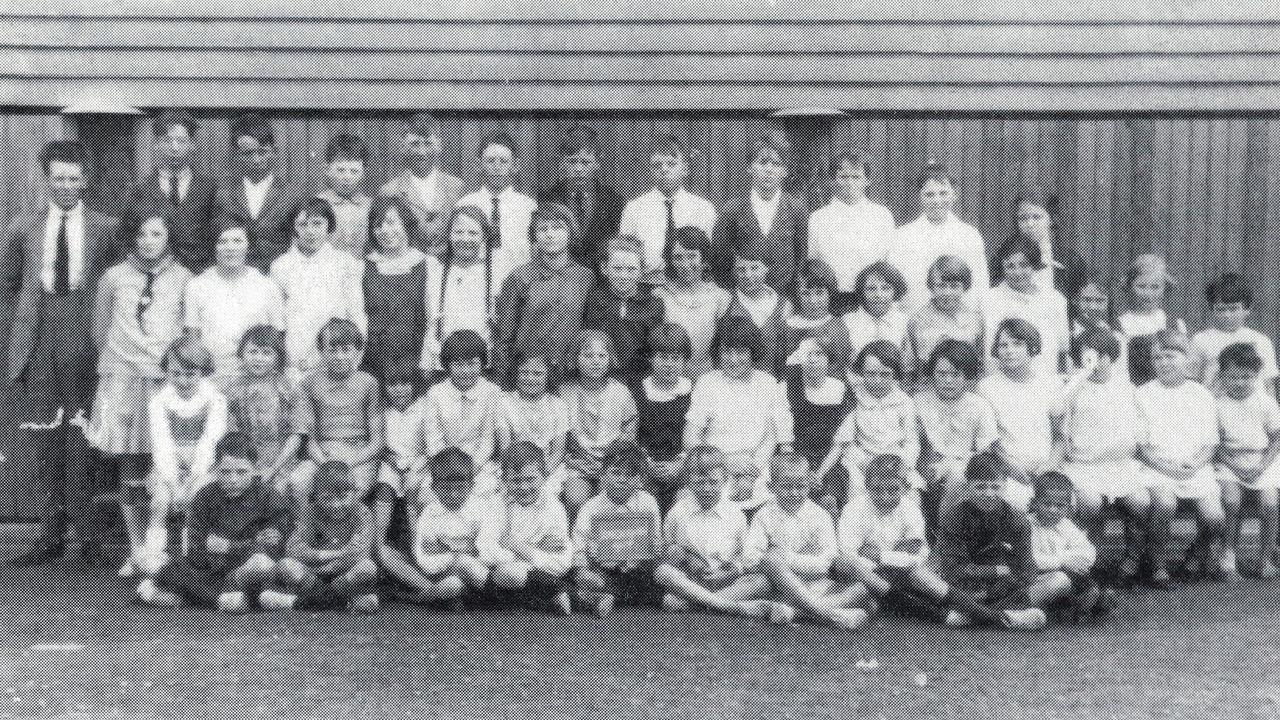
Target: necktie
[671, 226]
[497, 223]
[144, 300]
[62, 259]
[175, 189]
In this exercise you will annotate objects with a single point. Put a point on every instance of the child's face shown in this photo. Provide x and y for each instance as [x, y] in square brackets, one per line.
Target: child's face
[579, 168]
[741, 471]
[232, 248]
[815, 301]
[750, 275]
[259, 360]
[851, 182]
[453, 492]
[948, 382]
[985, 492]
[464, 373]
[390, 233]
[667, 366]
[707, 487]
[886, 493]
[499, 165]
[1051, 507]
[551, 237]
[669, 172]
[687, 263]
[619, 484]
[767, 172]
[735, 362]
[256, 159]
[1092, 302]
[937, 197]
[183, 379]
[1229, 317]
[1013, 354]
[153, 240]
[593, 359]
[310, 232]
[1018, 272]
[234, 474]
[816, 363]
[877, 295]
[531, 379]
[1034, 222]
[525, 485]
[790, 485]
[623, 272]
[344, 176]
[1170, 364]
[877, 377]
[175, 145]
[422, 149]
[340, 359]
[466, 237]
[1148, 290]
[1237, 382]
[947, 294]
[337, 504]
[400, 395]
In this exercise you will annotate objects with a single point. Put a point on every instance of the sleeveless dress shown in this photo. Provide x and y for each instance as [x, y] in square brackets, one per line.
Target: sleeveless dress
[397, 310]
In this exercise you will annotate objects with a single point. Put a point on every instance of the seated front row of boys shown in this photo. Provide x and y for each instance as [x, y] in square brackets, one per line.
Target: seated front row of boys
[995, 565]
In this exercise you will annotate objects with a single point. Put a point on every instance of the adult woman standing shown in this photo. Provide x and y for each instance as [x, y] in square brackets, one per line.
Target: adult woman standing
[1037, 217]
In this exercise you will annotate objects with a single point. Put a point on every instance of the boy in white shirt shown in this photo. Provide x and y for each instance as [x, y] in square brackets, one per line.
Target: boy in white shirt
[850, 232]
[1231, 300]
[444, 539]
[607, 568]
[509, 211]
[704, 532]
[1064, 557]
[652, 216]
[792, 541]
[345, 157]
[524, 536]
[319, 283]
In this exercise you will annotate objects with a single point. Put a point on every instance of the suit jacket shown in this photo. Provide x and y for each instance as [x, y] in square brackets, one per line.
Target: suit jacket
[192, 237]
[786, 246]
[270, 230]
[21, 286]
[606, 214]
[431, 218]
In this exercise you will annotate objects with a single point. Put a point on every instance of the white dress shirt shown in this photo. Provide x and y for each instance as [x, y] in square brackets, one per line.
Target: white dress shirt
[75, 245]
[255, 194]
[317, 288]
[850, 237]
[516, 210]
[918, 244]
[645, 218]
[765, 210]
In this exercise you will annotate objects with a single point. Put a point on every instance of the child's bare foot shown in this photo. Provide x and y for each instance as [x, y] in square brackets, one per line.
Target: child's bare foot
[1160, 577]
[276, 600]
[1227, 567]
[755, 608]
[562, 604]
[848, 618]
[1268, 571]
[957, 619]
[674, 603]
[152, 595]
[1029, 619]
[233, 602]
[603, 605]
[780, 614]
[366, 604]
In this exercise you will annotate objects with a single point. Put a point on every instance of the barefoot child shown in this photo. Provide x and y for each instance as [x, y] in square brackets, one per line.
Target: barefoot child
[610, 569]
[792, 541]
[444, 542]
[328, 562]
[235, 527]
[1063, 554]
[702, 564]
[262, 403]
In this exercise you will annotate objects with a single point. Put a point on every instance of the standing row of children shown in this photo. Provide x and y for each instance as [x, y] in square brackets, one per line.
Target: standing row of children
[672, 359]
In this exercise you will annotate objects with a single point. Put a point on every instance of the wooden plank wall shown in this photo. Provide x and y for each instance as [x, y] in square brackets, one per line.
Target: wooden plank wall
[1204, 190]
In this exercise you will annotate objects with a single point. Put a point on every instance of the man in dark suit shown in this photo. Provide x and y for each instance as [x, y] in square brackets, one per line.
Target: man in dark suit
[766, 213]
[596, 207]
[254, 196]
[184, 195]
[51, 263]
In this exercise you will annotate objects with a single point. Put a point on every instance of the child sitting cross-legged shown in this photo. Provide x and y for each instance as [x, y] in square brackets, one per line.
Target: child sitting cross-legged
[985, 549]
[235, 526]
[704, 531]
[1063, 554]
[328, 563]
[617, 564]
[792, 541]
[444, 542]
[882, 546]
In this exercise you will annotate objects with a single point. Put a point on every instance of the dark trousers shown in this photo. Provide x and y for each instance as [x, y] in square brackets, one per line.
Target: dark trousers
[197, 585]
[59, 376]
[538, 593]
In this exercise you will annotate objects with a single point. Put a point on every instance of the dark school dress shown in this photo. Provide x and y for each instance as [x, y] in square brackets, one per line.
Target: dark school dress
[396, 305]
[815, 428]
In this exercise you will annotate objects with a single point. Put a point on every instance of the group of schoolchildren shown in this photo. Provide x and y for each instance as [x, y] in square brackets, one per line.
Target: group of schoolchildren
[809, 415]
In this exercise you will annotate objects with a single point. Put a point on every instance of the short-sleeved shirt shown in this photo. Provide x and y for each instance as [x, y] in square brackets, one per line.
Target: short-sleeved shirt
[1177, 421]
[222, 310]
[862, 523]
[716, 534]
[1247, 425]
[1046, 310]
[850, 237]
[268, 410]
[737, 416]
[1101, 423]
[1024, 414]
[809, 534]
[955, 431]
[882, 426]
[598, 419]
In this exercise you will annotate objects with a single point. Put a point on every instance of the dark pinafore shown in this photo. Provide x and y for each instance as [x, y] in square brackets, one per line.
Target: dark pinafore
[396, 305]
